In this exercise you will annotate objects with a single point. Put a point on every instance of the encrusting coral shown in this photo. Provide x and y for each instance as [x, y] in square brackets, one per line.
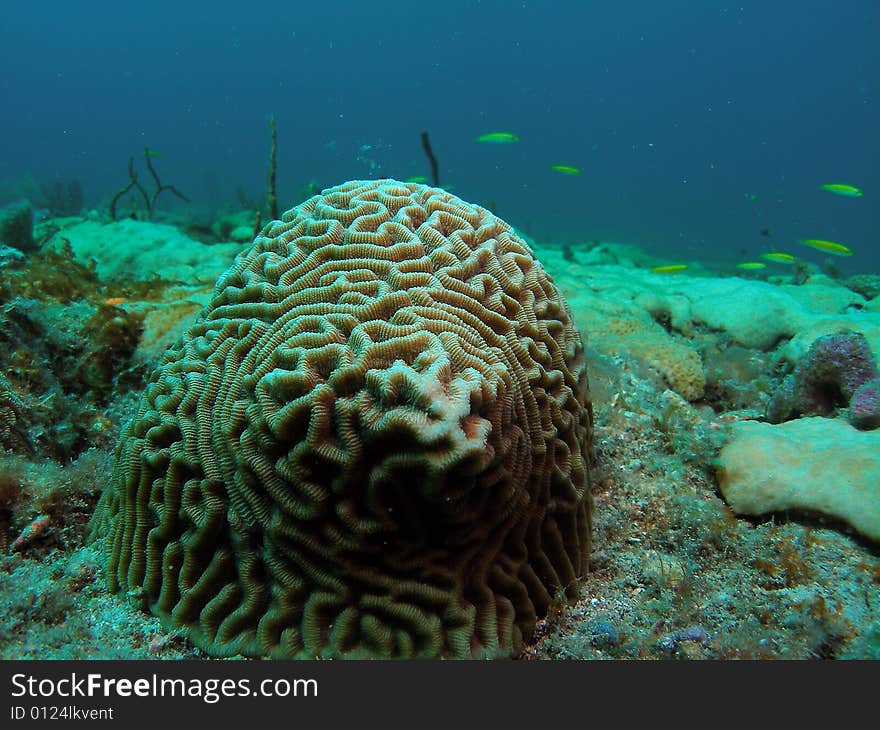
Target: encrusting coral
[374, 442]
[838, 370]
[680, 365]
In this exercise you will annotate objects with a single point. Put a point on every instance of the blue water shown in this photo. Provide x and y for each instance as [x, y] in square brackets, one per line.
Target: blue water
[679, 112]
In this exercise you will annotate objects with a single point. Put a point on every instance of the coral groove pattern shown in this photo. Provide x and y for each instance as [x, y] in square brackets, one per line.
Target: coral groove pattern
[375, 441]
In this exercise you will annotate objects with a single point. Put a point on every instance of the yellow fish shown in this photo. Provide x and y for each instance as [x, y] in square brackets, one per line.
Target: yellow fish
[417, 179]
[497, 138]
[779, 258]
[669, 268]
[849, 191]
[566, 169]
[751, 265]
[838, 249]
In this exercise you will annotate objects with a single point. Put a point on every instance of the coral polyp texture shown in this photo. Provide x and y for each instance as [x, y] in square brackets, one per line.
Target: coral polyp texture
[374, 442]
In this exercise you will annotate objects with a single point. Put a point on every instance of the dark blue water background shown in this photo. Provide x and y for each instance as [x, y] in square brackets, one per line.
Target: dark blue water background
[679, 112]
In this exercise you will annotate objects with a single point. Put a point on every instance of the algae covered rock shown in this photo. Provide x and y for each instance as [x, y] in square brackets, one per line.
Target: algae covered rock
[754, 314]
[132, 249]
[868, 285]
[237, 226]
[375, 441]
[17, 226]
[816, 464]
[10, 258]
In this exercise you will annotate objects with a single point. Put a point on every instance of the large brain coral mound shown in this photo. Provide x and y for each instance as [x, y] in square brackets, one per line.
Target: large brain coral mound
[374, 442]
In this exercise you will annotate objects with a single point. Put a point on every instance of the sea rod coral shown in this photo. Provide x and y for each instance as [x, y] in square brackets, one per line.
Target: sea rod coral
[374, 442]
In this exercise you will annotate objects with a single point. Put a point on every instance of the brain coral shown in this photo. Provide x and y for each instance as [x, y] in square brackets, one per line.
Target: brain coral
[374, 442]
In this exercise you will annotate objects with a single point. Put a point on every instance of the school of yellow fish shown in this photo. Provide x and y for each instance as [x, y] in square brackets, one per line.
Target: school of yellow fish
[778, 257]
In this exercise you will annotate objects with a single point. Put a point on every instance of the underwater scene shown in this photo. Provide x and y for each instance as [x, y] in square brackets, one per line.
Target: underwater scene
[461, 330]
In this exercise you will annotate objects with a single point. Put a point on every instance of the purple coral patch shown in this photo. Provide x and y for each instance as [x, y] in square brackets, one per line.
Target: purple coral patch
[864, 408]
[837, 371]
[832, 370]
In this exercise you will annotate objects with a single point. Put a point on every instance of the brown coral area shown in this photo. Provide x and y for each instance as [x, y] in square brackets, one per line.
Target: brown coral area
[374, 442]
[13, 435]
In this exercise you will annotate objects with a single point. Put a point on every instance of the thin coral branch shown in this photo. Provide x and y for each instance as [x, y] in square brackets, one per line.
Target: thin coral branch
[132, 183]
[429, 153]
[148, 158]
[272, 197]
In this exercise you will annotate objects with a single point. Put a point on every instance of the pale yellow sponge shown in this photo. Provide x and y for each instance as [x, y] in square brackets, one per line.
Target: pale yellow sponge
[680, 365]
[822, 465]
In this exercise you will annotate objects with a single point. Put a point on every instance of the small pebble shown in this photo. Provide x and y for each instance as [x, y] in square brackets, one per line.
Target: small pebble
[603, 633]
[693, 633]
[696, 634]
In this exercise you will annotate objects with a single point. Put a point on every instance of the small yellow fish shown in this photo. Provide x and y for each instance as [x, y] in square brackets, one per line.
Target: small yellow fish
[566, 169]
[669, 268]
[779, 258]
[849, 191]
[838, 249]
[417, 179]
[751, 265]
[497, 138]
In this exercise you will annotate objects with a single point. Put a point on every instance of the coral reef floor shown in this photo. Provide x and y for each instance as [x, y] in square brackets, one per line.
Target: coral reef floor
[675, 364]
